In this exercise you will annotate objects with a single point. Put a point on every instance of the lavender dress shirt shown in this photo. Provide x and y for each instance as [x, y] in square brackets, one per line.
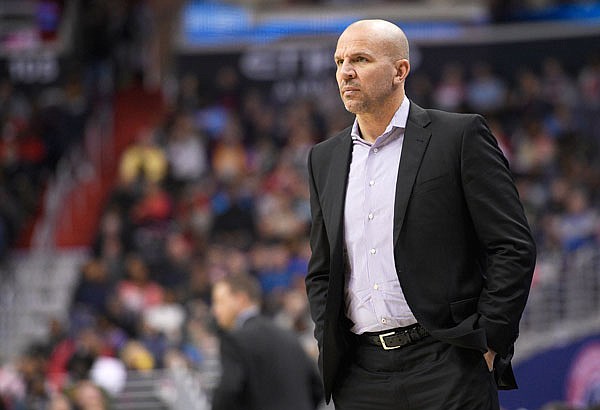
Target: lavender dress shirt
[374, 298]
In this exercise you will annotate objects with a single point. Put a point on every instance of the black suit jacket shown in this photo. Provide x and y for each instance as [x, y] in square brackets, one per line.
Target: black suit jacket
[463, 250]
[265, 368]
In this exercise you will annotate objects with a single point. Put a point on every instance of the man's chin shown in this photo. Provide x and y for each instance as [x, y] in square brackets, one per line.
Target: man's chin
[352, 106]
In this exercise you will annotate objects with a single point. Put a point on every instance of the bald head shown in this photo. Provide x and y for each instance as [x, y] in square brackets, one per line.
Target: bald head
[388, 35]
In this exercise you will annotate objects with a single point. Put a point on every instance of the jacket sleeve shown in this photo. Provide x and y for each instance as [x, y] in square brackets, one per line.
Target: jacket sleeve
[315, 383]
[317, 278]
[503, 231]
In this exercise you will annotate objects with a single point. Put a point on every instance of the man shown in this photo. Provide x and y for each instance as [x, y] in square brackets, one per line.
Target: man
[422, 257]
[264, 367]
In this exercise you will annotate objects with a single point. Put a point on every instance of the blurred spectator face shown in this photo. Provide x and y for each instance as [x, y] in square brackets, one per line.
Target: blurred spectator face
[227, 78]
[137, 270]
[226, 305]
[145, 137]
[450, 92]
[559, 190]
[577, 202]
[59, 402]
[95, 271]
[111, 223]
[237, 261]
[295, 304]
[89, 397]
[178, 248]
[529, 84]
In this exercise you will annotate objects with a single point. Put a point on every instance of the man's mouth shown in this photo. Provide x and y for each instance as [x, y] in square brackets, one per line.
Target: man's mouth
[349, 88]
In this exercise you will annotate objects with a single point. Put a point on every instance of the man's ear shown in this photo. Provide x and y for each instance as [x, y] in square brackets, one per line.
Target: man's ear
[402, 69]
[242, 298]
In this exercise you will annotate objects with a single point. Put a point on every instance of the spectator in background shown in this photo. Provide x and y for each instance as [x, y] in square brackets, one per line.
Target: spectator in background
[229, 158]
[234, 221]
[258, 118]
[557, 87]
[143, 161]
[186, 151]
[23, 162]
[12, 387]
[589, 89]
[270, 265]
[72, 357]
[135, 294]
[174, 266]
[150, 218]
[137, 357]
[527, 99]
[59, 402]
[535, 150]
[450, 92]
[62, 117]
[264, 366]
[94, 287]
[113, 240]
[188, 95]
[485, 91]
[589, 83]
[88, 396]
[579, 226]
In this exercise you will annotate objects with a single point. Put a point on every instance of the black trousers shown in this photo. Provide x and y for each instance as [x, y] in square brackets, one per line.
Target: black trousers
[427, 375]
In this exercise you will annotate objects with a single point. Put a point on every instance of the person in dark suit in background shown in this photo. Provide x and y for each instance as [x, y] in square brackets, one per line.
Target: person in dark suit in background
[264, 366]
[422, 257]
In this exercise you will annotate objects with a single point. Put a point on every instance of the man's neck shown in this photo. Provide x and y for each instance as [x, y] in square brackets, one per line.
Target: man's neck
[372, 125]
[245, 314]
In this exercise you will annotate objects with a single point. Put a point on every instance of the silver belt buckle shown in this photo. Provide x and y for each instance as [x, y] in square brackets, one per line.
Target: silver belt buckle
[382, 340]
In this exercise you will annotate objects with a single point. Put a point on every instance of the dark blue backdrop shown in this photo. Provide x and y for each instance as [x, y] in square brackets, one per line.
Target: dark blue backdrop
[549, 375]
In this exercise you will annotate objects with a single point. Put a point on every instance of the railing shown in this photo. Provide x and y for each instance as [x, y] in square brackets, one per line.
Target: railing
[175, 389]
[35, 289]
[564, 303]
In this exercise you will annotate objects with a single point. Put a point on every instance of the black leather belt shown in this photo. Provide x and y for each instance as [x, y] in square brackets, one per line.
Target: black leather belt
[394, 338]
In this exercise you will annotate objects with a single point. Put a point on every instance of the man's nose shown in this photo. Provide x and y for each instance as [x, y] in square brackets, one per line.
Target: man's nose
[347, 70]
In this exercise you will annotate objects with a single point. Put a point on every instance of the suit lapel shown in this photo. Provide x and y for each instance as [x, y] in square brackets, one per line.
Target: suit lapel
[339, 168]
[416, 138]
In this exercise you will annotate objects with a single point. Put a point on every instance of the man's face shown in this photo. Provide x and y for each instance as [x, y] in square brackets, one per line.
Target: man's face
[225, 305]
[365, 73]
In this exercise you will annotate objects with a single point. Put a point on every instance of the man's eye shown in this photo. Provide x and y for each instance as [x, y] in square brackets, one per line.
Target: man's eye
[361, 59]
[339, 62]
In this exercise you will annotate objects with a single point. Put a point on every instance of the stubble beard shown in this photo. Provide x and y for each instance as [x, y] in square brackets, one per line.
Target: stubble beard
[356, 106]
[368, 104]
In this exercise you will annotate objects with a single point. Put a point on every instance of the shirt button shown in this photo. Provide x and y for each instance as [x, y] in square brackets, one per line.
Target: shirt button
[375, 150]
[383, 320]
[370, 216]
[373, 251]
[376, 286]
[371, 182]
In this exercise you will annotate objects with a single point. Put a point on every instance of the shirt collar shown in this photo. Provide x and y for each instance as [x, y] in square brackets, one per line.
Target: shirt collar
[398, 121]
[245, 315]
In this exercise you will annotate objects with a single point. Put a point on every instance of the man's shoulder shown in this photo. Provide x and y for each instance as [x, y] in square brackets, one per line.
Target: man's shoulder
[260, 329]
[333, 140]
[450, 117]
[257, 324]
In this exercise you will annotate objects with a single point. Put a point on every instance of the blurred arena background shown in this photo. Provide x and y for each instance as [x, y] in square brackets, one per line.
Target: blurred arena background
[147, 148]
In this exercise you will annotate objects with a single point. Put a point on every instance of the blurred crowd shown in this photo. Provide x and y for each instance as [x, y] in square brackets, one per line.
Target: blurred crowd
[36, 130]
[219, 187]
